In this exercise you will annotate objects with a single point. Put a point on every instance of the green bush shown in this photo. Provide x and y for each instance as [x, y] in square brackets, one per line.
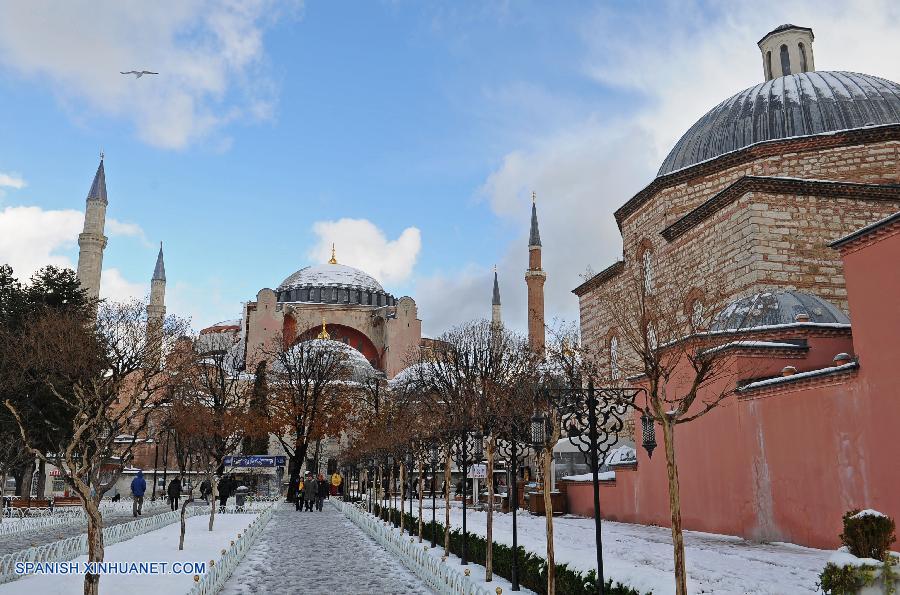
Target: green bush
[868, 535]
[532, 568]
[845, 580]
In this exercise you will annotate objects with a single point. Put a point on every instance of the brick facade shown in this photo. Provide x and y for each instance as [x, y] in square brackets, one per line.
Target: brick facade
[746, 219]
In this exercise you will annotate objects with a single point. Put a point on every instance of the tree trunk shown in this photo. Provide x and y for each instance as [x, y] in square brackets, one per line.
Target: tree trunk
[548, 514]
[489, 536]
[421, 489]
[2, 494]
[183, 522]
[403, 482]
[447, 479]
[24, 487]
[214, 486]
[675, 506]
[95, 544]
[42, 479]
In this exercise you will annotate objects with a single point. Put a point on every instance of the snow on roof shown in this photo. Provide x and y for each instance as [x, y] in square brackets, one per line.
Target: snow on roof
[624, 455]
[800, 376]
[330, 275]
[604, 476]
[755, 345]
[868, 512]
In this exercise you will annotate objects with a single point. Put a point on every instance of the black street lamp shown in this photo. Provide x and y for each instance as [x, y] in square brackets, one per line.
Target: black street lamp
[433, 459]
[409, 465]
[511, 449]
[466, 443]
[602, 412]
[369, 477]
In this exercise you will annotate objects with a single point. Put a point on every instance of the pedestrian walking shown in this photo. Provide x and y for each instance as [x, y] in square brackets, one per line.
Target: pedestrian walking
[336, 481]
[310, 491]
[138, 488]
[298, 497]
[226, 486]
[205, 490]
[174, 493]
[324, 486]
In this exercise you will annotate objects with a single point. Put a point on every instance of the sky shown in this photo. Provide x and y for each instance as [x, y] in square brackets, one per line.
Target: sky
[409, 134]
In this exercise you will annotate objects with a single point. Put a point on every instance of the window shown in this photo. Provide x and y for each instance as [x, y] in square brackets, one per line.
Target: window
[785, 61]
[614, 358]
[803, 67]
[769, 65]
[648, 270]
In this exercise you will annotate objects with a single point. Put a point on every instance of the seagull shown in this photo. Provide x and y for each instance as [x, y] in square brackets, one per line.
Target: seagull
[138, 73]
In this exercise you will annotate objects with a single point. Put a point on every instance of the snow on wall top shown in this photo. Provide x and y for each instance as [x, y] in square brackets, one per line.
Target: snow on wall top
[802, 104]
[331, 275]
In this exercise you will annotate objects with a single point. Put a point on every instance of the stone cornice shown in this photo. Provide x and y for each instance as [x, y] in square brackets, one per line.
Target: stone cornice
[608, 273]
[758, 151]
[778, 185]
[801, 381]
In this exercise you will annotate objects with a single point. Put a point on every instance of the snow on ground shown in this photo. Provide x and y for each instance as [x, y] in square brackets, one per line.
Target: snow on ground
[319, 552]
[641, 555]
[161, 545]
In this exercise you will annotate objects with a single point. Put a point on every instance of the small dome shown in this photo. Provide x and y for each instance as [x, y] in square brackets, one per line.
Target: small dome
[331, 275]
[777, 308]
[802, 104]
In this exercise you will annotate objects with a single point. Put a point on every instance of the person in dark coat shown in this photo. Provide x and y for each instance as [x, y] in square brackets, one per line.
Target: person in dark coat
[174, 492]
[205, 490]
[138, 488]
[298, 497]
[226, 486]
[323, 492]
[310, 491]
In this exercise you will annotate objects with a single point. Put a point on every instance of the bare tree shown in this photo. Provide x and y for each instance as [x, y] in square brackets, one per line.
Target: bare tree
[109, 374]
[666, 348]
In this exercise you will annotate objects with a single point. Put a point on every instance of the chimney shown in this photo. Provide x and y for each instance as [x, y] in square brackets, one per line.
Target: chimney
[842, 358]
[801, 317]
[788, 371]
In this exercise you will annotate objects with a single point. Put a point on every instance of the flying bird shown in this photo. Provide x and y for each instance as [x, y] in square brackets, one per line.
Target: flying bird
[138, 73]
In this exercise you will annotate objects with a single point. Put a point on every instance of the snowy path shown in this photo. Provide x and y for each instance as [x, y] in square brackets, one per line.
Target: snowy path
[641, 555]
[15, 542]
[319, 552]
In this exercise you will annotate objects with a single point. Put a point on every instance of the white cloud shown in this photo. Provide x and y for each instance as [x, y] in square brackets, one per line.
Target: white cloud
[11, 181]
[31, 237]
[209, 55]
[361, 244]
[115, 287]
[585, 169]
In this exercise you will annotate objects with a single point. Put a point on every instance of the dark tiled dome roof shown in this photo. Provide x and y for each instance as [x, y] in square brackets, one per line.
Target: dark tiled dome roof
[777, 307]
[802, 104]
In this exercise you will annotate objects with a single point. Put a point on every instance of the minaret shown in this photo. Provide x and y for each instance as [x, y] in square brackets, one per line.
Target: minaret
[156, 309]
[91, 241]
[535, 278]
[495, 302]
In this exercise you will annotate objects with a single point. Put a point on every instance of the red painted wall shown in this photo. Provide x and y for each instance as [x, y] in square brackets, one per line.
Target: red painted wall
[785, 464]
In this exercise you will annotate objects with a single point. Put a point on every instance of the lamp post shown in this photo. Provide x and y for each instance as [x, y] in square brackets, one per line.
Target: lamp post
[369, 477]
[409, 483]
[466, 443]
[511, 449]
[433, 459]
[602, 412]
[391, 488]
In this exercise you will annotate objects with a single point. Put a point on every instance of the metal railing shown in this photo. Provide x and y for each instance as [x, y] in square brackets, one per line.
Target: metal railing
[21, 521]
[434, 571]
[216, 575]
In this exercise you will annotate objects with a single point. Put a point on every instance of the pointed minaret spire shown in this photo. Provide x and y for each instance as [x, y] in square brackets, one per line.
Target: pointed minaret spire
[535, 278]
[333, 258]
[495, 301]
[91, 242]
[159, 272]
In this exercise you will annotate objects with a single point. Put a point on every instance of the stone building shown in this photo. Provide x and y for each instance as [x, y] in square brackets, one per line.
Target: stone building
[756, 188]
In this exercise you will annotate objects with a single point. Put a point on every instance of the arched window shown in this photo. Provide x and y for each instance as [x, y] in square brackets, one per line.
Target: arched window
[785, 61]
[614, 358]
[803, 67]
[769, 65]
[647, 263]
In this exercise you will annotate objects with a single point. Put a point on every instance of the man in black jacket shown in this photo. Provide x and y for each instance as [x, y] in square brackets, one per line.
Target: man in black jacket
[322, 492]
[174, 492]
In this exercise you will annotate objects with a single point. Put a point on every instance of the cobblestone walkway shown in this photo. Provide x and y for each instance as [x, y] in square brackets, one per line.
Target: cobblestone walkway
[319, 552]
[15, 542]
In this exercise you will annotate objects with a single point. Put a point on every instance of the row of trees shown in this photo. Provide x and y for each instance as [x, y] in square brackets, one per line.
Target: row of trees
[483, 378]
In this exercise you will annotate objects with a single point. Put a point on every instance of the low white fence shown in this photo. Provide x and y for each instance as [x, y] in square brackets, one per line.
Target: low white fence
[21, 521]
[440, 576]
[216, 575]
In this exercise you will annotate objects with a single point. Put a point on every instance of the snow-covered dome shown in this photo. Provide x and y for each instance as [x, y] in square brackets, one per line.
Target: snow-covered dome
[358, 367]
[333, 283]
[801, 104]
[776, 308]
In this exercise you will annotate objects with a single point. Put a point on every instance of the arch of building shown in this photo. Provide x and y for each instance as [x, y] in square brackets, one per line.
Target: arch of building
[348, 335]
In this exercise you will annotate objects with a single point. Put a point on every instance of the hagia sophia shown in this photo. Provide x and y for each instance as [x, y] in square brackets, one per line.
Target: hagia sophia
[789, 192]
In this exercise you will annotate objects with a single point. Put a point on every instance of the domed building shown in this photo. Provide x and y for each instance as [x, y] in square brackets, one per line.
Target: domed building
[348, 304]
[755, 190]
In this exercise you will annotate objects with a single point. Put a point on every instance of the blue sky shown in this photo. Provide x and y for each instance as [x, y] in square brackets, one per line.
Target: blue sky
[426, 124]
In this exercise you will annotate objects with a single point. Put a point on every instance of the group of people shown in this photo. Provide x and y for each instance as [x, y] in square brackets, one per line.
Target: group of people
[226, 488]
[312, 490]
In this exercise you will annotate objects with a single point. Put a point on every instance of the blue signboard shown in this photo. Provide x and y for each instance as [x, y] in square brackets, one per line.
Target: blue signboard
[255, 461]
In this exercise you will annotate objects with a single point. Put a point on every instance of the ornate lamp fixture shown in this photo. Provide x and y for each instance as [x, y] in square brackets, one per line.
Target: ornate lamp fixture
[648, 432]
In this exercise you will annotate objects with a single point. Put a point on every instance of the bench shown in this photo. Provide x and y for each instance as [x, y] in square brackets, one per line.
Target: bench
[29, 503]
[66, 501]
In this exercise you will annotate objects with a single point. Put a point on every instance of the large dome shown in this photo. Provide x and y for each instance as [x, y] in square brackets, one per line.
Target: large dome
[802, 104]
[331, 275]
